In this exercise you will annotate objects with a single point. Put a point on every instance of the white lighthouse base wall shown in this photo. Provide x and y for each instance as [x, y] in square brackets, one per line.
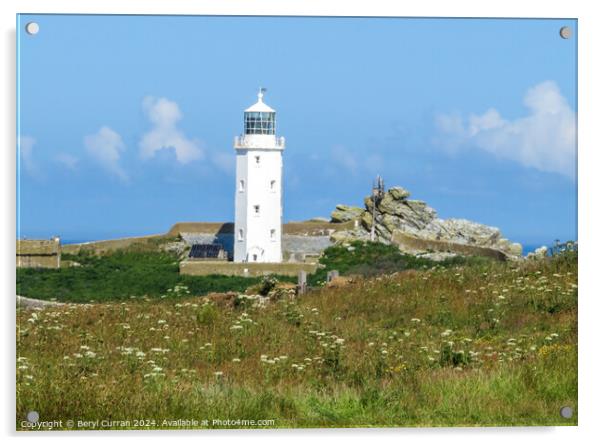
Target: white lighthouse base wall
[258, 219]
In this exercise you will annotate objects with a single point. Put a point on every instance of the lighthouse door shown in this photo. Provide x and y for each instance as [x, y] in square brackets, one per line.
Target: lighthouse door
[255, 254]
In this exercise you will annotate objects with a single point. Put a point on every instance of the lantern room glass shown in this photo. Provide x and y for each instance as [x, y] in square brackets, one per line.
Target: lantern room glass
[260, 123]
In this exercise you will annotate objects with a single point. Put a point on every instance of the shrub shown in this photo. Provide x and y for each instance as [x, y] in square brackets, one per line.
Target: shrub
[207, 314]
[449, 357]
[373, 258]
[268, 283]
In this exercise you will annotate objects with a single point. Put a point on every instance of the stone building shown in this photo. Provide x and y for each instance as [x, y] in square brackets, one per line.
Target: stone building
[39, 253]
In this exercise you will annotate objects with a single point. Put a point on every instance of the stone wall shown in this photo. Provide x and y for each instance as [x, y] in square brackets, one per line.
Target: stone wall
[39, 253]
[43, 261]
[295, 248]
[300, 247]
[192, 267]
[409, 243]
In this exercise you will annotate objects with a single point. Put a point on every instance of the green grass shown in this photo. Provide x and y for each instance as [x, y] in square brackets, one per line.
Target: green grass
[371, 258]
[145, 270]
[120, 275]
[476, 344]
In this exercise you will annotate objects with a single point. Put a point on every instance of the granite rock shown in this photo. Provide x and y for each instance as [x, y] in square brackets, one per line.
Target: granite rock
[344, 213]
[395, 212]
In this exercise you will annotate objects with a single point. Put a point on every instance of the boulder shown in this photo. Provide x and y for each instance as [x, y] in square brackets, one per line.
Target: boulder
[464, 231]
[341, 236]
[390, 205]
[516, 249]
[344, 213]
[390, 222]
[411, 214]
[366, 220]
[346, 236]
[399, 192]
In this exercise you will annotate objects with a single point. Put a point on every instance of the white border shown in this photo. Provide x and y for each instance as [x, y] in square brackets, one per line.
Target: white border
[590, 115]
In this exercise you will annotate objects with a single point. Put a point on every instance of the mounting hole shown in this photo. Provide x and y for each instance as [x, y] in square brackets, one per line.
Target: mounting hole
[32, 28]
[33, 416]
[566, 412]
[566, 32]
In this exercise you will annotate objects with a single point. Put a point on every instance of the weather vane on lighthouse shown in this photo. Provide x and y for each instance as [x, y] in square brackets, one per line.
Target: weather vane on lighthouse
[258, 202]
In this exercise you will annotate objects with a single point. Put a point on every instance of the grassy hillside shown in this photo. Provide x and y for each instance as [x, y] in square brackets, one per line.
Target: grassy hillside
[120, 275]
[373, 258]
[146, 270]
[477, 344]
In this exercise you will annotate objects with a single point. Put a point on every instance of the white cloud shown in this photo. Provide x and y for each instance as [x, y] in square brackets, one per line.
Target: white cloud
[26, 144]
[67, 160]
[105, 147]
[545, 139]
[164, 114]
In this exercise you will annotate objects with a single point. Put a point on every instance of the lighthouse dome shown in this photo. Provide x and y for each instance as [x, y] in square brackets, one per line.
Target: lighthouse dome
[260, 106]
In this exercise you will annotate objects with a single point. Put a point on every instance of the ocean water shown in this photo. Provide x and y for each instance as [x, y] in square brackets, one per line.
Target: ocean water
[527, 248]
[77, 241]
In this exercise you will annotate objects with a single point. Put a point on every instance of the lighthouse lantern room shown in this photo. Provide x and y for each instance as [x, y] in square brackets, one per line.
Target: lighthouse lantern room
[258, 202]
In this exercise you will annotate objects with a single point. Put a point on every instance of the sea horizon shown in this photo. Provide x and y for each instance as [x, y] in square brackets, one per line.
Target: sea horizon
[527, 247]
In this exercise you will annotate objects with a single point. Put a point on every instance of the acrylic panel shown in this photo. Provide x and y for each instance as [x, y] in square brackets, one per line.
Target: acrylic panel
[295, 222]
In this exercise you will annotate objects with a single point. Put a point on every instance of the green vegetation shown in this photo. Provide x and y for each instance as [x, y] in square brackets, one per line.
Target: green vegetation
[119, 276]
[146, 270]
[481, 343]
[370, 259]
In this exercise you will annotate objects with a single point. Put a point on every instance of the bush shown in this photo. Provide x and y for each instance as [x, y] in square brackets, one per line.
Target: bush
[449, 357]
[373, 258]
[267, 284]
[207, 314]
[121, 275]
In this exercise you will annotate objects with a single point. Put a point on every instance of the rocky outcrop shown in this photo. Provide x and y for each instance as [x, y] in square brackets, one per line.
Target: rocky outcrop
[415, 227]
[344, 213]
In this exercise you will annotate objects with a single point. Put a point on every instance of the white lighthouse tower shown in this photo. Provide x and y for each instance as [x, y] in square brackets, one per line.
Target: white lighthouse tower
[258, 211]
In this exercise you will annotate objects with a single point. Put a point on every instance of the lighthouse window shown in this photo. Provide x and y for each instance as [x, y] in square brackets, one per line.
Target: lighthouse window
[256, 208]
[241, 185]
[240, 235]
[273, 234]
[257, 159]
[260, 123]
[273, 185]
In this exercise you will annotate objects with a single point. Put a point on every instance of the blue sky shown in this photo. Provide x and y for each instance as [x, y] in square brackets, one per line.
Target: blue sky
[126, 123]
